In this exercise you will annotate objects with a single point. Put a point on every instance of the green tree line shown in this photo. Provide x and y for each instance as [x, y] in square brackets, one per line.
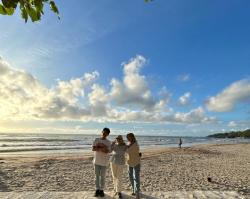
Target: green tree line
[232, 134]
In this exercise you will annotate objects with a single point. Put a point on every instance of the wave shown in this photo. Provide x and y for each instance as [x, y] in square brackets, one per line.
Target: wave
[37, 140]
[30, 145]
[38, 149]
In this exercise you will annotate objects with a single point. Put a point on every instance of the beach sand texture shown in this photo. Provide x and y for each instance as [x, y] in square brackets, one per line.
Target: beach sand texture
[182, 171]
[126, 195]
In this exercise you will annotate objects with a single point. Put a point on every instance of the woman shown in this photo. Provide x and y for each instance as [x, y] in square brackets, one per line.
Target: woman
[117, 163]
[133, 161]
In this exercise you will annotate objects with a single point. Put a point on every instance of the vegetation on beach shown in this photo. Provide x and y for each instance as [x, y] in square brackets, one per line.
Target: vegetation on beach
[232, 134]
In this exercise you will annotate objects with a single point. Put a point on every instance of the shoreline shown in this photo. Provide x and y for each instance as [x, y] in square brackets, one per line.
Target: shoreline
[156, 150]
[88, 154]
[24, 146]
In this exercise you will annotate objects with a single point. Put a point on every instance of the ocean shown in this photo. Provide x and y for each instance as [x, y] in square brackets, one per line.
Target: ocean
[45, 144]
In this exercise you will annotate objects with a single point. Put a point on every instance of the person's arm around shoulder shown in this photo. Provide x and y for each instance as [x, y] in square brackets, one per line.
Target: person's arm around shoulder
[125, 148]
[106, 148]
[109, 147]
[112, 146]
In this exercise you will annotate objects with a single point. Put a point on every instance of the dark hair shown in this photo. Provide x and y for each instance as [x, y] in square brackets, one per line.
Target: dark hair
[106, 130]
[132, 136]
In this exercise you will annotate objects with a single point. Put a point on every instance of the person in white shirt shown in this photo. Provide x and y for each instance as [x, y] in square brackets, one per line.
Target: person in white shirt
[117, 164]
[101, 147]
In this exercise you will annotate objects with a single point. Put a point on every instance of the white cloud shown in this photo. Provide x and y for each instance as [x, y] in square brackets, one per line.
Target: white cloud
[23, 97]
[57, 108]
[197, 115]
[226, 100]
[239, 125]
[165, 94]
[184, 99]
[71, 90]
[232, 124]
[98, 100]
[134, 90]
[194, 116]
[184, 77]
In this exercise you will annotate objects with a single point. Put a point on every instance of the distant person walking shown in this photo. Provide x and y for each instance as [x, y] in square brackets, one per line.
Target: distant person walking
[134, 164]
[118, 149]
[101, 147]
[180, 143]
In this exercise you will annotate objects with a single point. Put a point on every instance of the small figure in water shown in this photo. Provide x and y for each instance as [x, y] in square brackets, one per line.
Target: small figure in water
[180, 143]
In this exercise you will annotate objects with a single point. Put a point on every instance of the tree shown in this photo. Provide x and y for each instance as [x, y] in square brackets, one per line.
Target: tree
[32, 9]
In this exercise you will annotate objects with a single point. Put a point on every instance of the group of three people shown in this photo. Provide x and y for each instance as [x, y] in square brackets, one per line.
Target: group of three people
[102, 148]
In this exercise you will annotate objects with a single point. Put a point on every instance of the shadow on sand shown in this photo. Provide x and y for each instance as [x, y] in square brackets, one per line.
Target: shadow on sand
[244, 191]
[126, 196]
[3, 179]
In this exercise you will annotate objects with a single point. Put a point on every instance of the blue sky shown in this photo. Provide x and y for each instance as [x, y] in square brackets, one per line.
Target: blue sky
[166, 67]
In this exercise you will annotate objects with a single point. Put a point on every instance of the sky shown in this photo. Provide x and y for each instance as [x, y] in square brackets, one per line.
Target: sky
[174, 68]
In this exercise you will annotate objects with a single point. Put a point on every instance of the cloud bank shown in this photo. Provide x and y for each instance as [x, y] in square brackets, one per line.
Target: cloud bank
[129, 99]
[225, 101]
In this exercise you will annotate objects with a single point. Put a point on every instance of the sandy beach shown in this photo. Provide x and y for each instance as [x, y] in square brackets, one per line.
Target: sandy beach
[169, 169]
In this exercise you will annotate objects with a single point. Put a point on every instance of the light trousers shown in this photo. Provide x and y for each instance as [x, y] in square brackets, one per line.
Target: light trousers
[117, 173]
[100, 175]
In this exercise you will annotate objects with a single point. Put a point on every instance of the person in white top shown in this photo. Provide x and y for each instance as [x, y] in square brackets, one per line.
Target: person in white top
[134, 159]
[117, 164]
[101, 147]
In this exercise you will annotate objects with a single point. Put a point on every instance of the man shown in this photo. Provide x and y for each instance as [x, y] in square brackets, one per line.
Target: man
[180, 142]
[101, 147]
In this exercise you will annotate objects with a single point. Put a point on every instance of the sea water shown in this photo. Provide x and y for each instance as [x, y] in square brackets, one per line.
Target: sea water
[21, 144]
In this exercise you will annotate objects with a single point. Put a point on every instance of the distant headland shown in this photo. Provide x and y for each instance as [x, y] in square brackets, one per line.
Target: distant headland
[232, 134]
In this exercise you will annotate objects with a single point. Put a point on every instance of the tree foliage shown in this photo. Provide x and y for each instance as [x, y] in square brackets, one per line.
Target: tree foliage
[232, 134]
[30, 9]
